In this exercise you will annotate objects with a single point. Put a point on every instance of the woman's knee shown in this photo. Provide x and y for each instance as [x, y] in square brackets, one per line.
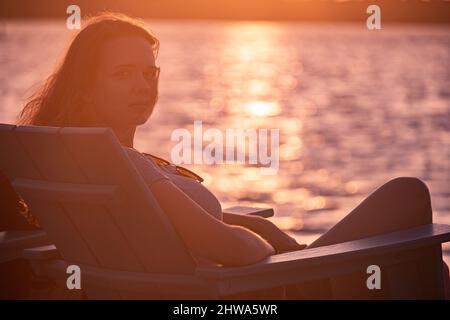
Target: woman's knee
[413, 192]
[410, 186]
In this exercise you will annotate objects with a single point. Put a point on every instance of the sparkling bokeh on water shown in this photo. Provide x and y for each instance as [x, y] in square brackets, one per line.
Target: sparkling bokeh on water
[355, 108]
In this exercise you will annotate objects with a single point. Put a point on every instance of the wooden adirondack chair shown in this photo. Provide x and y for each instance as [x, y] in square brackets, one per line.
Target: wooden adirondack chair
[101, 216]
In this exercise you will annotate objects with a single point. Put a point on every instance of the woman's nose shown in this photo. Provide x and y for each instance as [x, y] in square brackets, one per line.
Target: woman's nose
[142, 83]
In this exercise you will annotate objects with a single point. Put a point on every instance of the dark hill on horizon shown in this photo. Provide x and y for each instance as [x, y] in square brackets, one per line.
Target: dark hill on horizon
[433, 11]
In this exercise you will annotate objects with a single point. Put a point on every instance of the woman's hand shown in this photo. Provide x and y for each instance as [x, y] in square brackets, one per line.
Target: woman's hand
[281, 241]
[267, 230]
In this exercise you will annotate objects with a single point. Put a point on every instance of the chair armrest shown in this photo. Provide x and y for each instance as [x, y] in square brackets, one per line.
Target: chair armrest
[41, 253]
[328, 255]
[22, 239]
[327, 261]
[13, 242]
[253, 211]
[18, 240]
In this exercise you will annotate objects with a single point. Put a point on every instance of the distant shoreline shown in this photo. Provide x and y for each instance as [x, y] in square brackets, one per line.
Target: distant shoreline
[411, 11]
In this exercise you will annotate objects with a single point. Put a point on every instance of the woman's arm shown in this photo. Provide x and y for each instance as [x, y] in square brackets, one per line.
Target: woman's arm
[279, 240]
[205, 235]
[236, 219]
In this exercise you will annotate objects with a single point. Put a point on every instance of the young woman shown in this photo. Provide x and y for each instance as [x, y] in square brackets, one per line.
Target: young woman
[109, 78]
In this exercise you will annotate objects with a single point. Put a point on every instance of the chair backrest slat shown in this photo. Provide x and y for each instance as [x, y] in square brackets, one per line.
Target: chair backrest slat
[14, 161]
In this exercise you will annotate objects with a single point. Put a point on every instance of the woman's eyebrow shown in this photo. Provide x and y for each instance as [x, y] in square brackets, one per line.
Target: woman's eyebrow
[129, 65]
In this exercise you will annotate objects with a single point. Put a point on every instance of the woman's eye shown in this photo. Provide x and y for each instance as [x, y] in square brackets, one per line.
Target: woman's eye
[122, 74]
[150, 75]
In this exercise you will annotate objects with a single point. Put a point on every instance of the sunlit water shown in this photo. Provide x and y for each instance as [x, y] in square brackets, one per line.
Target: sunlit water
[355, 108]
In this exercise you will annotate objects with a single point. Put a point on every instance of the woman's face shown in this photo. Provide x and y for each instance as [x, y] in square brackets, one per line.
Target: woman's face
[126, 85]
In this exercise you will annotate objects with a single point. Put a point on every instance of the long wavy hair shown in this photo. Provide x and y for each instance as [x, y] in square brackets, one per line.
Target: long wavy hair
[61, 99]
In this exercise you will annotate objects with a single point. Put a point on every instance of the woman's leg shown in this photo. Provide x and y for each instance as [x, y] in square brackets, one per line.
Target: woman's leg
[401, 203]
